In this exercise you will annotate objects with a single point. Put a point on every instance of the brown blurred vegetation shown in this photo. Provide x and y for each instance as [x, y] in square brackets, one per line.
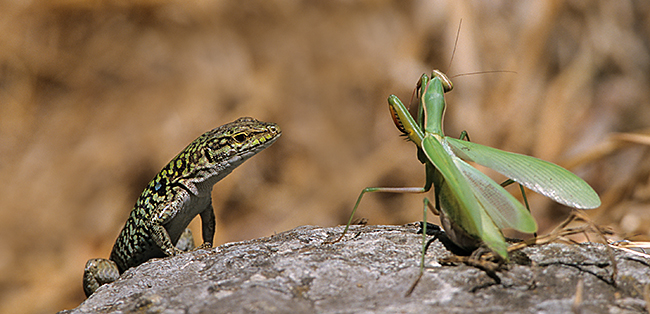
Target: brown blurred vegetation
[96, 96]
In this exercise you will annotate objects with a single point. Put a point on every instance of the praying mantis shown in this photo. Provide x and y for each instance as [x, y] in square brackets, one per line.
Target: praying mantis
[473, 209]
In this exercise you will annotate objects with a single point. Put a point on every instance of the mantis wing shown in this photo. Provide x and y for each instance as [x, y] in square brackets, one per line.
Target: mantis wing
[458, 202]
[505, 210]
[538, 175]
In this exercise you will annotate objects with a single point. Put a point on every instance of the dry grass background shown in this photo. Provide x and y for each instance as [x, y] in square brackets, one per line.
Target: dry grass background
[96, 96]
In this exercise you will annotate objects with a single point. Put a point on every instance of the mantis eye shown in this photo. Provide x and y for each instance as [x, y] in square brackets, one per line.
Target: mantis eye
[447, 85]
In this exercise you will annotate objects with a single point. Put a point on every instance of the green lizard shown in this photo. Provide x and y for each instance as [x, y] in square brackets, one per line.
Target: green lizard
[179, 192]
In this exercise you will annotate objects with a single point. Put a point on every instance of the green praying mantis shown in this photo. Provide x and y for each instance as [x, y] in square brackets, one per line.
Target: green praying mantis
[473, 209]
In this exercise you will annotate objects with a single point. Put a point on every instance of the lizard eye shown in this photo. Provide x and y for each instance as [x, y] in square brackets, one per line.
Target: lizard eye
[240, 137]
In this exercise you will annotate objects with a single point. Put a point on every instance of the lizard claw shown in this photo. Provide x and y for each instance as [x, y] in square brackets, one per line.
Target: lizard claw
[204, 246]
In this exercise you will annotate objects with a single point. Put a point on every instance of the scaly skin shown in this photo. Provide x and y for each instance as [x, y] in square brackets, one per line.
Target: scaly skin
[179, 192]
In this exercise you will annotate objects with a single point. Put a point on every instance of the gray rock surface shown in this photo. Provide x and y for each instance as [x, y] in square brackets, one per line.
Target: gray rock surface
[370, 272]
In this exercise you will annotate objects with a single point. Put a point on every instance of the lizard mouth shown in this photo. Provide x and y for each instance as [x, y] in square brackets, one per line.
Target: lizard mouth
[250, 153]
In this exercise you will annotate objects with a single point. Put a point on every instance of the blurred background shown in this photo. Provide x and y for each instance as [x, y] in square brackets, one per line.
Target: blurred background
[97, 96]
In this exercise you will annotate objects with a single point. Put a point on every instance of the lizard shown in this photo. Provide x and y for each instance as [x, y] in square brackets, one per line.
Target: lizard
[178, 193]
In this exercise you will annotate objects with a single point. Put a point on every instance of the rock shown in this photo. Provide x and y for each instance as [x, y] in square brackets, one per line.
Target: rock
[370, 271]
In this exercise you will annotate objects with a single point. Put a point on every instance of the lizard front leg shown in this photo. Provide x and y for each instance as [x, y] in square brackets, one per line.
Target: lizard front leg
[208, 226]
[208, 223]
[167, 214]
[163, 241]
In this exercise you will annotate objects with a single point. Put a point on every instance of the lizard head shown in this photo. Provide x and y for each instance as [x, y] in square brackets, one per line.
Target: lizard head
[217, 152]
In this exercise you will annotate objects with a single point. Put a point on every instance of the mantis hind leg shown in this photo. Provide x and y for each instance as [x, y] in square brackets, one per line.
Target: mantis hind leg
[425, 243]
[437, 234]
